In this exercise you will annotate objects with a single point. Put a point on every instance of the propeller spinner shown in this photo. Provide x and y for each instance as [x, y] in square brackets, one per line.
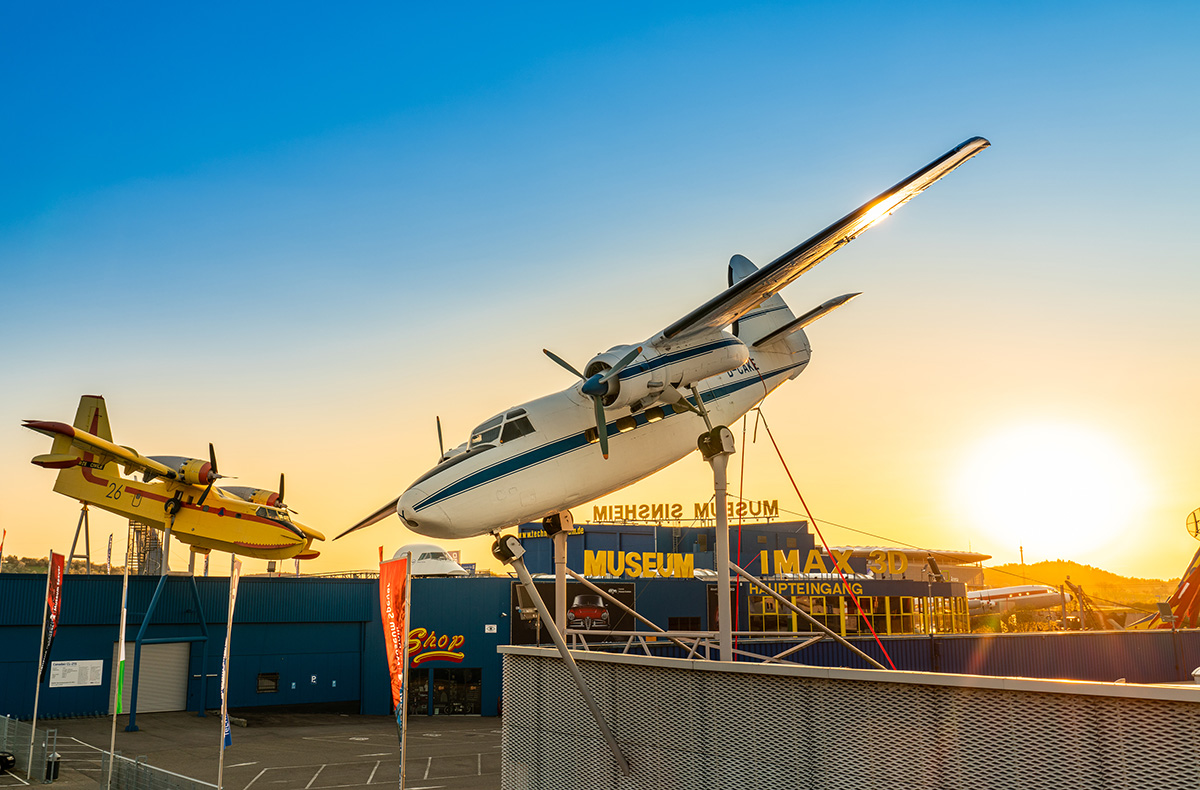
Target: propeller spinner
[597, 387]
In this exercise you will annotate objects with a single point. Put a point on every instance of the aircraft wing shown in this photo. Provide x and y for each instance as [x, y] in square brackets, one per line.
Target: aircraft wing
[129, 458]
[744, 296]
[374, 518]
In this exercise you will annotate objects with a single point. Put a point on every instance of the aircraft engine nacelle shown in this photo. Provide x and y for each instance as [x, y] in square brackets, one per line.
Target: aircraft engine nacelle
[259, 496]
[683, 365]
[196, 472]
[189, 470]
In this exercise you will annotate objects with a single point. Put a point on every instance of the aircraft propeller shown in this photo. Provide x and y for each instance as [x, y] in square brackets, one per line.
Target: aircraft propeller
[212, 477]
[279, 498]
[596, 388]
[441, 446]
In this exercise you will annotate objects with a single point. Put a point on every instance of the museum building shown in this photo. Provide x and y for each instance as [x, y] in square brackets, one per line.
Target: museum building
[308, 640]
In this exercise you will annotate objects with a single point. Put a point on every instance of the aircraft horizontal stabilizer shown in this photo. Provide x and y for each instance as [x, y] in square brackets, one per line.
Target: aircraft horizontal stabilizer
[308, 555]
[802, 321]
[65, 436]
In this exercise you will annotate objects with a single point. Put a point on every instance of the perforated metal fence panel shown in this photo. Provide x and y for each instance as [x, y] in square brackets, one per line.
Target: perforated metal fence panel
[685, 724]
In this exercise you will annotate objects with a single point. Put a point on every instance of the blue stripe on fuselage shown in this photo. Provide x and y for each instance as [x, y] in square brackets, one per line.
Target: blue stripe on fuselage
[567, 444]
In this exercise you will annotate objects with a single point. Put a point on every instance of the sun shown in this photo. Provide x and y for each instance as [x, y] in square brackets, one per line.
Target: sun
[1062, 491]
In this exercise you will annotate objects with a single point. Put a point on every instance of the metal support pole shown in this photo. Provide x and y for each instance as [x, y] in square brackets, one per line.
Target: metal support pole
[716, 446]
[137, 654]
[558, 526]
[509, 550]
[820, 626]
[560, 580]
[82, 526]
[166, 549]
[37, 675]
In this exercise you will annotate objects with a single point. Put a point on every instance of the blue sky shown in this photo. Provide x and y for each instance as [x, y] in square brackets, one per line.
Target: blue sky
[278, 224]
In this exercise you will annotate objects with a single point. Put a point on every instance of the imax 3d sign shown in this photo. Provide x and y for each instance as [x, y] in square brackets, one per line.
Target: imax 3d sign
[879, 562]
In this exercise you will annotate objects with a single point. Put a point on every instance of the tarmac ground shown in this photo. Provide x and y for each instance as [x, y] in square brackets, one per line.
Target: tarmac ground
[288, 751]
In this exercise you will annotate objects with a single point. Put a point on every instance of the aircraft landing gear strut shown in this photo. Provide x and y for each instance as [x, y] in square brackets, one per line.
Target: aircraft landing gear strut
[509, 551]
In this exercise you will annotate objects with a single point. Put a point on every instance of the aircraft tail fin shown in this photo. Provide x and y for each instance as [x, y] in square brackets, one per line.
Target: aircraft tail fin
[1184, 602]
[92, 416]
[764, 319]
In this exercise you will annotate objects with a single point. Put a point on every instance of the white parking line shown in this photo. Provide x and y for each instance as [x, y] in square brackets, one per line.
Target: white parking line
[428, 765]
[373, 770]
[314, 777]
[255, 779]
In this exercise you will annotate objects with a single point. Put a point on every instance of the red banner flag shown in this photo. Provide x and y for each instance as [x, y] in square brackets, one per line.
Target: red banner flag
[54, 602]
[393, 605]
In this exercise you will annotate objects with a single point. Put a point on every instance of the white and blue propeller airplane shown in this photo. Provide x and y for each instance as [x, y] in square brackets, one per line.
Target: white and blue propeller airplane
[645, 403]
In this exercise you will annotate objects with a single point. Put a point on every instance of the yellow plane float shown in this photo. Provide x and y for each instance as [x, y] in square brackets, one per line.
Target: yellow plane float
[174, 493]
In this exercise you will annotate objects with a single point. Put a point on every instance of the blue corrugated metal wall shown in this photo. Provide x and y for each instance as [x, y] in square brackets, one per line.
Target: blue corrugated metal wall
[330, 629]
[327, 629]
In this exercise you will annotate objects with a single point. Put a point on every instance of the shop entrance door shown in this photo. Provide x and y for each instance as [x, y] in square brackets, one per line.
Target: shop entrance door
[455, 691]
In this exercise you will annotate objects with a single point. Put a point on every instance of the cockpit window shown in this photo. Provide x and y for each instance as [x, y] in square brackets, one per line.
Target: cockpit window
[272, 513]
[435, 555]
[502, 428]
[486, 433]
[515, 428]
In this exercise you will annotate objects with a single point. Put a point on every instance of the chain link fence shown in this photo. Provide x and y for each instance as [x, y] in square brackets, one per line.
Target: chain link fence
[14, 738]
[136, 774]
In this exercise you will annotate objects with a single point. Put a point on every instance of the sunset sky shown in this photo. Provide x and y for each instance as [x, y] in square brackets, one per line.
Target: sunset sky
[301, 233]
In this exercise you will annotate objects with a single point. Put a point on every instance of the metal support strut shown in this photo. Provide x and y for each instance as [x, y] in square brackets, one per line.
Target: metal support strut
[83, 527]
[510, 551]
[716, 446]
[558, 527]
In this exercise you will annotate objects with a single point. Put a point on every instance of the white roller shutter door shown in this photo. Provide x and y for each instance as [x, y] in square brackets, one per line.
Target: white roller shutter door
[163, 682]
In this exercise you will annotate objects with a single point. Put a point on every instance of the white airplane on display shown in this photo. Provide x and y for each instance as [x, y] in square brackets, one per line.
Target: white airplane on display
[429, 559]
[537, 459]
[1002, 600]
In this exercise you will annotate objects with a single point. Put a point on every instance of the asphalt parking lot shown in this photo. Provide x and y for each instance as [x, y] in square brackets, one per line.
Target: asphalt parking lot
[290, 751]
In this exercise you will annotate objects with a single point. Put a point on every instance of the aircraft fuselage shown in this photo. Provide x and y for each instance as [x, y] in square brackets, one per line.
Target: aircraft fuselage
[558, 466]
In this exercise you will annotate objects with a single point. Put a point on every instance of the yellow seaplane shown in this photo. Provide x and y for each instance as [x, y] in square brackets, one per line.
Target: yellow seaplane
[174, 493]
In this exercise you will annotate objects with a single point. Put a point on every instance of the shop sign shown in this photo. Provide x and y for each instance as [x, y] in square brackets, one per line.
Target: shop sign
[643, 565]
[425, 645]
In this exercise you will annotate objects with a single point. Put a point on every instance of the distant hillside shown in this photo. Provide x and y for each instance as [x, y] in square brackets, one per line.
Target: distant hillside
[14, 564]
[1096, 582]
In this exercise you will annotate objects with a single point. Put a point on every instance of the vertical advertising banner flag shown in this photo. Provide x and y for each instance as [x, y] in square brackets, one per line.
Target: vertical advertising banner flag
[233, 585]
[108, 561]
[393, 576]
[54, 604]
[121, 638]
[2, 539]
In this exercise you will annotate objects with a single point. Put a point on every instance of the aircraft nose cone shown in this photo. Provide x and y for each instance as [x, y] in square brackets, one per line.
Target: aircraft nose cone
[430, 520]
